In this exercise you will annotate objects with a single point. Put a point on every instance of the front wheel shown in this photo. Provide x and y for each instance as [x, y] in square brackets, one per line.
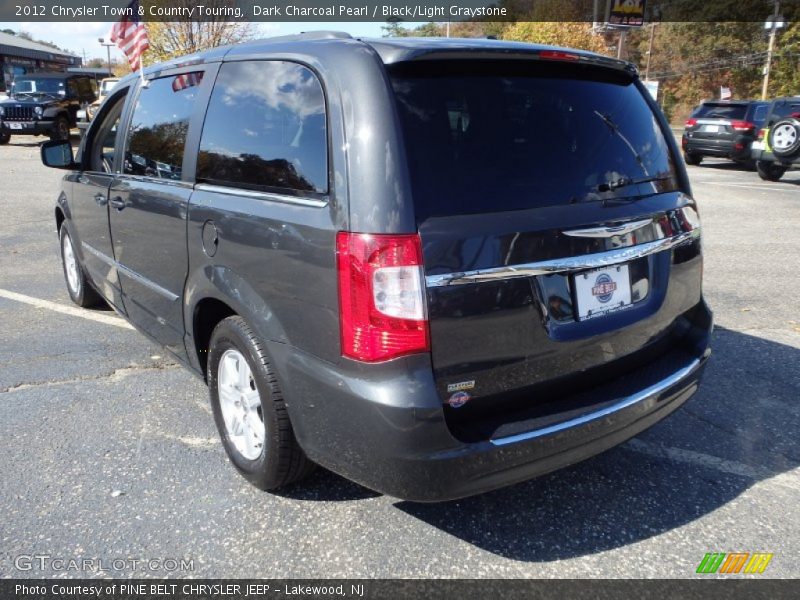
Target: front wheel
[769, 171]
[60, 131]
[249, 409]
[692, 159]
[80, 290]
[4, 138]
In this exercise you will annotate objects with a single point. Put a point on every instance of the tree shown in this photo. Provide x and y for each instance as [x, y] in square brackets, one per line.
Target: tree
[173, 39]
[569, 34]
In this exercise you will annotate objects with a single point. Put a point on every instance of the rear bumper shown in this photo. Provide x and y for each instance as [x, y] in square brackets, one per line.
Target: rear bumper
[736, 149]
[391, 435]
[44, 127]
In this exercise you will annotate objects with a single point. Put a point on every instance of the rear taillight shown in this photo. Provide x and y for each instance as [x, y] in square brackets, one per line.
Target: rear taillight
[691, 122]
[742, 125]
[381, 296]
[761, 134]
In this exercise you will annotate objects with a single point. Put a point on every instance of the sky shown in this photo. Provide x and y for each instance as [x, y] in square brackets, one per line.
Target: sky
[82, 37]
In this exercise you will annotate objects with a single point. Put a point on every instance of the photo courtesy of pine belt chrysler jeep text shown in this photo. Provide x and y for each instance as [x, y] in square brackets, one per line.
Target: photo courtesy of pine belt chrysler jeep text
[435, 267]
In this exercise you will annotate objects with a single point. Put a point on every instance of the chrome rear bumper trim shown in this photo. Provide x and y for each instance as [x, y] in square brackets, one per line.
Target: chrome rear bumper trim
[561, 265]
[624, 403]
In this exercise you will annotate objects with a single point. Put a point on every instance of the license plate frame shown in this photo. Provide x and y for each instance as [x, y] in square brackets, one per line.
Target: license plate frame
[602, 291]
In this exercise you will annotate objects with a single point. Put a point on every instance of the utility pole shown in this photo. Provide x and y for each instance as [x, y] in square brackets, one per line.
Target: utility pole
[621, 45]
[771, 48]
[108, 51]
[650, 51]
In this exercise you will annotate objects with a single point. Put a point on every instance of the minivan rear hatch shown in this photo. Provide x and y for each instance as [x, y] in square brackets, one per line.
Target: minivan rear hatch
[559, 244]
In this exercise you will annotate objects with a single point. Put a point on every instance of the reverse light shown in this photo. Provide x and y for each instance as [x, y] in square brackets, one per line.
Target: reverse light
[742, 125]
[691, 122]
[381, 296]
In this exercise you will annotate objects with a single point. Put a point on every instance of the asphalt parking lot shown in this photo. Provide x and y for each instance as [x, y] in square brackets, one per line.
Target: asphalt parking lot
[109, 450]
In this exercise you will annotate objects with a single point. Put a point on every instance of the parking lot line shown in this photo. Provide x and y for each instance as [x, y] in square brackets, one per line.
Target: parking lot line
[65, 310]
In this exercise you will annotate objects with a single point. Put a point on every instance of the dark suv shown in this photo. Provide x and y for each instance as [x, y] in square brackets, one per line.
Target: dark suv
[435, 267]
[723, 128]
[44, 104]
[778, 145]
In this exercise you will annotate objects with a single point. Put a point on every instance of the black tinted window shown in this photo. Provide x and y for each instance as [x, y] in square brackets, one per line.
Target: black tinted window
[265, 129]
[160, 122]
[785, 109]
[486, 136]
[710, 110]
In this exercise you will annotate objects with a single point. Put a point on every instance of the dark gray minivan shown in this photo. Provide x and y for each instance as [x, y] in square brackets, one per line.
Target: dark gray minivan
[436, 267]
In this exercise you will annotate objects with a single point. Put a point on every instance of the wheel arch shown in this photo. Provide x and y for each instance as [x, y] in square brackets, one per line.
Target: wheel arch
[207, 314]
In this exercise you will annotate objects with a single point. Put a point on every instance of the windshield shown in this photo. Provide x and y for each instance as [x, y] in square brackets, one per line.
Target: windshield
[39, 86]
[721, 111]
[488, 136]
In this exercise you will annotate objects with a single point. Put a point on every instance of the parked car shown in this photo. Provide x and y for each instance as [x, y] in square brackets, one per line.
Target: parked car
[106, 85]
[44, 104]
[489, 261]
[724, 129]
[778, 145]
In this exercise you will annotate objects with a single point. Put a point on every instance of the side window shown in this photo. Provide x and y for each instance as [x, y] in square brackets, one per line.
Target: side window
[159, 125]
[103, 136]
[265, 129]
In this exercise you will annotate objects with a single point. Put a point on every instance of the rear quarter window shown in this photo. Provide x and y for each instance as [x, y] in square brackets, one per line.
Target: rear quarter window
[265, 129]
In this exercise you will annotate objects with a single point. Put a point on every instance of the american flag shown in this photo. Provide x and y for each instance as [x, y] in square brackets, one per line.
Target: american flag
[131, 36]
[187, 80]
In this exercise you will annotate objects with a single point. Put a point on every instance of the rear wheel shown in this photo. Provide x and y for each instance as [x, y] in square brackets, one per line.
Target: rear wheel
[249, 409]
[769, 171]
[692, 159]
[60, 130]
[80, 290]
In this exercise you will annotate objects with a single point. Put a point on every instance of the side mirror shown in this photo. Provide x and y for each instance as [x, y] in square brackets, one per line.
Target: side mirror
[58, 154]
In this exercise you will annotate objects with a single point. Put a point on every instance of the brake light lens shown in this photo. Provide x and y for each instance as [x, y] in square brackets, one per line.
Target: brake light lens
[742, 125]
[691, 122]
[558, 55]
[761, 134]
[381, 296]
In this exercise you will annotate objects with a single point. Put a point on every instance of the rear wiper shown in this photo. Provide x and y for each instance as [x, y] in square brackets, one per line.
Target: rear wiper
[624, 181]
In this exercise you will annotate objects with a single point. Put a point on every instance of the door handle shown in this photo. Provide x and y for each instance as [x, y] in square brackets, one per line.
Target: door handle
[117, 203]
[100, 199]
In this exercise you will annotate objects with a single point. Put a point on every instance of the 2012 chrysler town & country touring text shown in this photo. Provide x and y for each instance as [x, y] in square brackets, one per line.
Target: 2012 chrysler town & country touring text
[436, 267]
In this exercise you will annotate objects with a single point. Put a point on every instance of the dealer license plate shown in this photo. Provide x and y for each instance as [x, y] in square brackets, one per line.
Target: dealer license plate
[602, 291]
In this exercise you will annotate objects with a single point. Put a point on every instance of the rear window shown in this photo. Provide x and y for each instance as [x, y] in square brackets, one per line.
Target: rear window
[721, 111]
[783, 109]
[490, 136]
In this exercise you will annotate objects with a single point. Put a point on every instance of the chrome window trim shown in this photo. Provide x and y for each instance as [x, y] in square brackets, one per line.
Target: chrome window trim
[233, 191]
[563, 265]
[627, 402]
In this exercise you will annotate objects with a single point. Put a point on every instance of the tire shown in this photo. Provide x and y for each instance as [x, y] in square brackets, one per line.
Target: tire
[769, 171]
[249, 409]
[692, 159]
[4, 138]
[60, 131]
[784, 138]
[80, 290]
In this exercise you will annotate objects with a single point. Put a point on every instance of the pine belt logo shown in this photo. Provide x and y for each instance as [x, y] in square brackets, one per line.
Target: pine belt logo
[460, 397]
[734, 562]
